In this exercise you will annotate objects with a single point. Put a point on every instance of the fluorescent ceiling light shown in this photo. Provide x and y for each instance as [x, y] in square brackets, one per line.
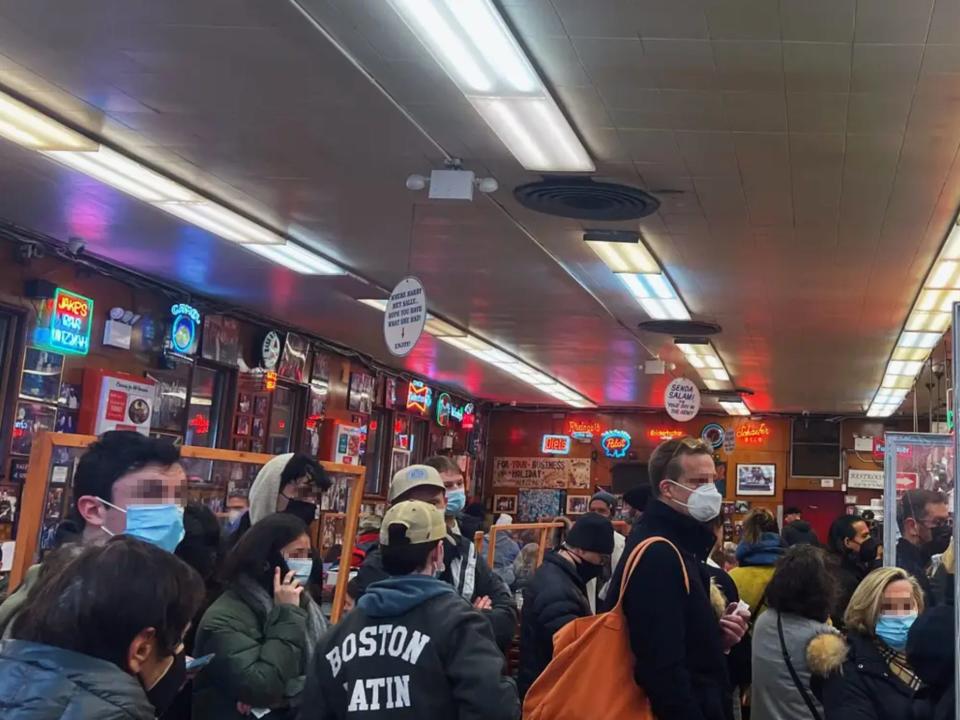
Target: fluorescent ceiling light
[926, 340]
[904, 367]
[897, 381]
[25, 126]
[946, 275]
[656, 295]
[223, 222]
[928, 321]
[296, 258]
[735, 408]
[712, 384]
[441, 328]
[471, 42]
[126, 175]
[625, 257]
[376, 304]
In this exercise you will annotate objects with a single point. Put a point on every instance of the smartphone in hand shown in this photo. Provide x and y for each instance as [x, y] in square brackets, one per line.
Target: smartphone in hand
[194, 664]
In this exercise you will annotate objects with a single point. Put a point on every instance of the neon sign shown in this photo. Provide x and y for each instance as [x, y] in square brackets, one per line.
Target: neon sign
[556, 445]
[200, 424]
[583, 428]
[185, 328]
[615, 443]
[661, 434]
[713, 434]
[446, 410]
[753, 434]
[419, 397]
[270, 380]
[71, 318]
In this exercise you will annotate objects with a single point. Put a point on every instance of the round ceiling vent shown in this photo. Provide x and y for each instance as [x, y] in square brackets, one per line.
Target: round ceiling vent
[686, 329]
[585, 199]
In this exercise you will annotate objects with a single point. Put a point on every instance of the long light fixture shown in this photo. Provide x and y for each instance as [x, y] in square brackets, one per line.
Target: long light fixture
[705, 360]
[471, 42]
[482, 350]
[929, 318]
[36, 131]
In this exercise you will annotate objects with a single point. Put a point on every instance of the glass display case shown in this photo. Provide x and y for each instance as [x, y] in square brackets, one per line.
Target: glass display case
[213, 475]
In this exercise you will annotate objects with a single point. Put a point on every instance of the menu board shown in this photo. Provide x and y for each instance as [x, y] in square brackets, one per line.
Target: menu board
[540, 472]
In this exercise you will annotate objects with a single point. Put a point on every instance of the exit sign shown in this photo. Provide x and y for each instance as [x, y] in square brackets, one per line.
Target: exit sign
[556, 445]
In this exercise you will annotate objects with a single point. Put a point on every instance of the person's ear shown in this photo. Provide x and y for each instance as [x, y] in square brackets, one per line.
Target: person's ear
[141, 650]
[666, 488]
[92, 510]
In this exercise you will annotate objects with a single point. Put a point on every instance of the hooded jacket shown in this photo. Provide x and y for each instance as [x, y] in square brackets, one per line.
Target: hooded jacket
[675, 635]
[755, 570]
[468, 573]
[554, 596]
[799, 532]
[266, 488]
[43, 682]
[412, 649]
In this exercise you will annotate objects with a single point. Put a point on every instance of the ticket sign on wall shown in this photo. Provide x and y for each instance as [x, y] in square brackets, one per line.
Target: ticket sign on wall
[681, 399]
[405, 316]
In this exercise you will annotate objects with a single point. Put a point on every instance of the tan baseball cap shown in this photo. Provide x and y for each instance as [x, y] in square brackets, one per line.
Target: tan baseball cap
[423, 521]
[413, 476]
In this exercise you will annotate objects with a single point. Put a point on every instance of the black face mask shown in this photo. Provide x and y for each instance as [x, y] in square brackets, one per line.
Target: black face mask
[162, 695]
[940, 540]
[588, 571]
[306, 511]
[868, 551]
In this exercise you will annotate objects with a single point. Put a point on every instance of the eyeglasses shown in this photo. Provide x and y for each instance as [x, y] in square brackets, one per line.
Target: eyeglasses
[691, 444]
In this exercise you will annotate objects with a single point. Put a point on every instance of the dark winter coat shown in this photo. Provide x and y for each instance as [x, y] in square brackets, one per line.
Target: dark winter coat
[847, 573]
[932, 658]
[42, 682]
[411, 650]
[554, 596]
[469, 575]
[675, 635]
[858, 685]
[915, 561]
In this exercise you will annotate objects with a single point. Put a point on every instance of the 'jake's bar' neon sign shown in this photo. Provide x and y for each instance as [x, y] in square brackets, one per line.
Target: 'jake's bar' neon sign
[68, 331]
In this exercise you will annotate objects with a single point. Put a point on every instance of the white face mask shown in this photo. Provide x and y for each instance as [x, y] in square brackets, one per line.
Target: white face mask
[703, 503]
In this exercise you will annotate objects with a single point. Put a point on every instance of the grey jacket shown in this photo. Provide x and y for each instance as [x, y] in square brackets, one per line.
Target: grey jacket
[42, 682]
[774, 695]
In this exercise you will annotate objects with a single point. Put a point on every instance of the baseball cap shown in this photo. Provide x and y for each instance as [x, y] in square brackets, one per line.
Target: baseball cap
[423, 522]
[413, 476]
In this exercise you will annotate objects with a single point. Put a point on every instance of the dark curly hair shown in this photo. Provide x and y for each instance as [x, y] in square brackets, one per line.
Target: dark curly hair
[802, 584]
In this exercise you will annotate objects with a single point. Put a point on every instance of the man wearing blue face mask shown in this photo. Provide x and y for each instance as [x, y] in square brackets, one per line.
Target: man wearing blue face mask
[125, 483]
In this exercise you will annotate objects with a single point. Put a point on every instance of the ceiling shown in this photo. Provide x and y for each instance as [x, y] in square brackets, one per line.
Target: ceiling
[814, 142]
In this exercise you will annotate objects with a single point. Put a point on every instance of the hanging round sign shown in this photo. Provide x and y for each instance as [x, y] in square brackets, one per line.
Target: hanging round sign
[405, 316]
[682, 399]
[713, 434]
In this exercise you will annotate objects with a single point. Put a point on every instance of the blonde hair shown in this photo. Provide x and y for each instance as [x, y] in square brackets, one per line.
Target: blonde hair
[864, 607]
[758, 522]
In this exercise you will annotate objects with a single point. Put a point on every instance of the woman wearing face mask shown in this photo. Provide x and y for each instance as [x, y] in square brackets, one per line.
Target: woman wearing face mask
[262, 630]
[115, 650]
[871, 679]
[853, 554]
[557, 593]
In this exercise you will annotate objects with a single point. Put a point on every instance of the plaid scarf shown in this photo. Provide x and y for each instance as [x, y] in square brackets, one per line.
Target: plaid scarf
[897, 662]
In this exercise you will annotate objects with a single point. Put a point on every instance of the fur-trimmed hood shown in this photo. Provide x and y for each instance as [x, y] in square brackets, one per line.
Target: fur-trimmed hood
[826, 653]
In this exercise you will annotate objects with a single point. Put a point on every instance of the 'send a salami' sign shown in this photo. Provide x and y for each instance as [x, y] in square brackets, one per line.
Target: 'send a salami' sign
[681, 399]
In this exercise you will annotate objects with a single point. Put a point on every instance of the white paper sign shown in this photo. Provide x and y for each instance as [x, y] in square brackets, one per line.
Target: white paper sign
[533, 472]
[405, 316]
[682, 399]
[865, 479]
[729, 442]
[124, 405]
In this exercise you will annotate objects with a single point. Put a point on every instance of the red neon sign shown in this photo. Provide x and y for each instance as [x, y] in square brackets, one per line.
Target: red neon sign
[73, 305]
[752, 434]
[661, 434]
[270, 380]
[555, 445]
[586, 427]
[200, 424]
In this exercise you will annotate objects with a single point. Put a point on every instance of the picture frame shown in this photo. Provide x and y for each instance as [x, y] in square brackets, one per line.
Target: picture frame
[241, 445]
[505, 504]
[757, 479]
[534, 505]
[741, 507]
[360, 394]
[9, 501]
[577, 504]
[243, 425]
[42, 372]
[259, 428]
[243, 403]
[261, 404]
[29, 420]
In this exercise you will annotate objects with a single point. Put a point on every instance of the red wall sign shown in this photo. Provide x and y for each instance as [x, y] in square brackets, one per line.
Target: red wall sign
[907, 481]
[555, 445]
[661, 434]
[753, 434]
[573, 427]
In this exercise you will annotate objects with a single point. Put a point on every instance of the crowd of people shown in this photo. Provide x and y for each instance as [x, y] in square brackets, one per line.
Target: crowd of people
[150, 608]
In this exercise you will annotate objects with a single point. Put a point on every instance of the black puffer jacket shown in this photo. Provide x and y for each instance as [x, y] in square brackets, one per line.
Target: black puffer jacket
[553, 597]
[861, 687]
[42, 682]
[469, 575]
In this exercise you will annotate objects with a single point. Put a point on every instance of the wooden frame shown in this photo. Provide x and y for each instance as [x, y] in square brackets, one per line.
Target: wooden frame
[544, 527]
[35, 490]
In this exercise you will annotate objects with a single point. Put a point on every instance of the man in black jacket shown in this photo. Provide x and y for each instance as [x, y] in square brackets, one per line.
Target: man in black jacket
[925, 531]
[676, 637]
[463, 568]
[557, 593]
[413, 648]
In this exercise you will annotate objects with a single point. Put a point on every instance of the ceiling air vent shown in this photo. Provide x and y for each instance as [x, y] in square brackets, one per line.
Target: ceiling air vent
[585, 199]
[694, 331]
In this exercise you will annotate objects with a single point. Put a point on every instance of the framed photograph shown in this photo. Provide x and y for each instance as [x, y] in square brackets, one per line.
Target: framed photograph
[534, 505]
[360, 396]
[69, 396]
[241, 445]
[505, 504]
[30, 419]
[259, 428]
[257, 446]
[66, 421]
[9, 497]
[243, 425]
[261, 404]
[243, 403]
[757, 479]
[293, 361]
[741, 507]
[578, 504]
[221, 339]
[42, 370]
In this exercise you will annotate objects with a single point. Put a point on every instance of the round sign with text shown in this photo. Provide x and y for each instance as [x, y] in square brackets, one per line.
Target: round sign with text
[404, 316]
[682, 399]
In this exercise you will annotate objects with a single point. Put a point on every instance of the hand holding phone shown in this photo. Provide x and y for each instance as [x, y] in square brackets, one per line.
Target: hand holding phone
[194, 664]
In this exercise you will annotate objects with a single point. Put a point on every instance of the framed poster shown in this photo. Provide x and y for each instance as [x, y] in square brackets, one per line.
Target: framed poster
[42, 370]
[505, 504]
[760, 479]
[360, 395]
[578, 504]
[30, 419]
[221, 340]
[9, 498]
[293, 360]
[534, 505]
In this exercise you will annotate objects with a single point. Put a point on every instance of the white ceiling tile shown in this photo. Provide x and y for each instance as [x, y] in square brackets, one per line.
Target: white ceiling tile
[885, 68]
[558, 60]
[755, 112]
[817, 112]
[708, 154]
[721, 198]
[878, 112]
[816, 198]
[817, 20]
[945, 24]
[817, 67]
[605, 143]
[933, 113]
[584, 105]
[816, 153]
[656, 176]
[630, 97]
[693, 110]
[749, 66]
[872, 154]
[893, 21]
[656, 146]
[533, 18]
[665, 19]
[743, 19]
[599, 18]
[616, 62]
[681, 64]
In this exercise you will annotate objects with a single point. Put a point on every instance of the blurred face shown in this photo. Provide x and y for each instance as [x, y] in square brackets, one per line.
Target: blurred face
[237, 503]
[600, 508]
[589, 556]
[695, 471]
[300, 489]
[150, 485]
[299, 548]
[791, 518]
[898, 599]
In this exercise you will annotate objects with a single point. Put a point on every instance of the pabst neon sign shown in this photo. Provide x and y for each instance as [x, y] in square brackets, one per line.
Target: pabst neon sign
[615, 443]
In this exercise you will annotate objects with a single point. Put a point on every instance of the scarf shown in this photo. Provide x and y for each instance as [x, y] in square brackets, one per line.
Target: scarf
[897, 662]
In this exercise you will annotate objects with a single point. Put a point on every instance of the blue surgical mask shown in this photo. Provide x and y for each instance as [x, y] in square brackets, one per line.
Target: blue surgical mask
[456, 501]
[893, 630]
[301, 568]
[160, 525]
